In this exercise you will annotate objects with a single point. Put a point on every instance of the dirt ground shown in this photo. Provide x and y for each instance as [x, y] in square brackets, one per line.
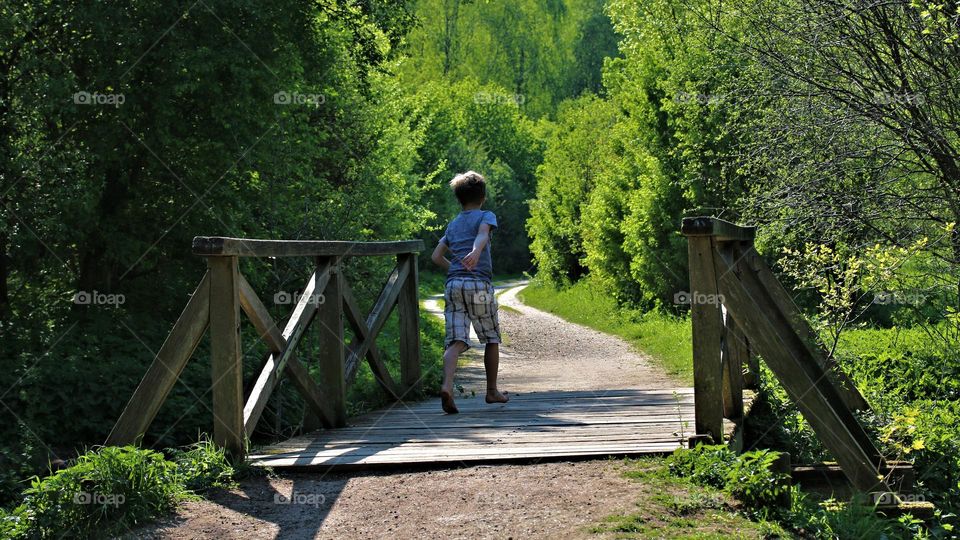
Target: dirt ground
[537, 500]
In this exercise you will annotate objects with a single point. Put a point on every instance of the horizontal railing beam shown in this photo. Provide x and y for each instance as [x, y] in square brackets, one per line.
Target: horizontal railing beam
[249, 247]
[717, 228]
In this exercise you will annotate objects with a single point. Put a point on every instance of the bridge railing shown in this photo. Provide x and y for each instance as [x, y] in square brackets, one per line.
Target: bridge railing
[327, 299]
[739, 309]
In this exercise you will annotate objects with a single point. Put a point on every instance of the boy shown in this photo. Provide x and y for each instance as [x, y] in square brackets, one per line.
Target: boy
[468, 293]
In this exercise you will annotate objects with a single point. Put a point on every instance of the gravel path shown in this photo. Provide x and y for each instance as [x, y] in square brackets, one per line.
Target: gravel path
[541, 500]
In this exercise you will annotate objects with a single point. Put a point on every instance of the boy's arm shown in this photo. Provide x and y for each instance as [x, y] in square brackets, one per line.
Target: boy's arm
[438, 257]
[483, 238]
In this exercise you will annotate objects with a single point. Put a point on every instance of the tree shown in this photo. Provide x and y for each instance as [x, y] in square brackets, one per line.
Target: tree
[878, 83]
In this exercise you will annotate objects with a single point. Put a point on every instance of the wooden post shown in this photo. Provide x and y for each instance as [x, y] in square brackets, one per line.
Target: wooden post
[409, 313]
[751, 376]
[707, 328]
[331, 358]
[782, 467]
[733, 352]
[226, 362]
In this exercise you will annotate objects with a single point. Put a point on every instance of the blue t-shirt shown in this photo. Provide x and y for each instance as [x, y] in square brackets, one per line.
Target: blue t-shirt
[460, 235]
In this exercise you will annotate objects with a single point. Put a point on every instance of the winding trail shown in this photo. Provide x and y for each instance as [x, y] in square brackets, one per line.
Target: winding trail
[544, 352]
[538, 500]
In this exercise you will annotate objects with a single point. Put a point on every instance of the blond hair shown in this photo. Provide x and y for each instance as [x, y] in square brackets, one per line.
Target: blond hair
[469, 187]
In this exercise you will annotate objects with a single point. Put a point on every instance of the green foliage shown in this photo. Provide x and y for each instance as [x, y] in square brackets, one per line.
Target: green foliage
[708, 465]
[538, 52]
[630, 166]
[110, 490]
[753, 480]
[564, 181]
[672, 507]
[466, 130]
[107, 491]
[685, 497]
[14, 523]
[749, 477]
[203, 466]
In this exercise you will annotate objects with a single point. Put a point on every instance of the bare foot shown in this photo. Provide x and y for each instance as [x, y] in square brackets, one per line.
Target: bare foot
[446, 401]
[497, 397]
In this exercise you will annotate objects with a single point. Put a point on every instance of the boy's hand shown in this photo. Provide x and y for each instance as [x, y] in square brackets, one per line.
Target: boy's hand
[479, 243]
[471, 260]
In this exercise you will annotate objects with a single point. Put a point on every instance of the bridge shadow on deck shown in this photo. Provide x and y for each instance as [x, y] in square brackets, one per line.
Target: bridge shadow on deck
[535, 425]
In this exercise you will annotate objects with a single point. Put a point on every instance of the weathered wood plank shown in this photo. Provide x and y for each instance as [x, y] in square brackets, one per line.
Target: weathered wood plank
[538, 425]
[804, 380]
[165, 369]
[331, 364]
[348, 462]
[277, 341]
[717, 228]
[408, 305]
[848, 391]
[225, 361]
[251, 247]
[374, 323]
[306, 309]
[732, 355]
[707, 328]
[364, 342]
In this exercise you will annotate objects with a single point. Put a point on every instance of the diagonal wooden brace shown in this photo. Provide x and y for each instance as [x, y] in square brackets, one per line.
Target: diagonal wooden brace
[282, 345]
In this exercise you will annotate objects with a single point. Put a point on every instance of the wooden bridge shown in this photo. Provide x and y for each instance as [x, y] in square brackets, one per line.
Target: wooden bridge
[738, 309]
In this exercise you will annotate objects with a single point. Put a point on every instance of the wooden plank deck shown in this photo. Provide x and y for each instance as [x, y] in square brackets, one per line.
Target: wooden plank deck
[546, 425]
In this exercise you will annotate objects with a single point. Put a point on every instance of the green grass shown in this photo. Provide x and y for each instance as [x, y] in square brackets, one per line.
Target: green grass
[671, 507]
[111, 490]
[665, 338]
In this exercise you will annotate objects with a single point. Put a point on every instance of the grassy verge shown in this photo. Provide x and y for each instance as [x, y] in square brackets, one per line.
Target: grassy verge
[111, 490]
[710, 492]
[663, 337]
[673, 507]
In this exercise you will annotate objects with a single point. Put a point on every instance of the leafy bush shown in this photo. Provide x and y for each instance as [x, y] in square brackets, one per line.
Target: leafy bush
[113, 489]
[752, 479]
[108, 490]
[203, 466]
[926, 433]
[564, 180]
[749, 477]
[15, 523]
[705, 464]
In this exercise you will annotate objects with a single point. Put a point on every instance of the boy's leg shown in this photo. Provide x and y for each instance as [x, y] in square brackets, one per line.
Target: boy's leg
[491, 363]
[450, 357]
[457, 334]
